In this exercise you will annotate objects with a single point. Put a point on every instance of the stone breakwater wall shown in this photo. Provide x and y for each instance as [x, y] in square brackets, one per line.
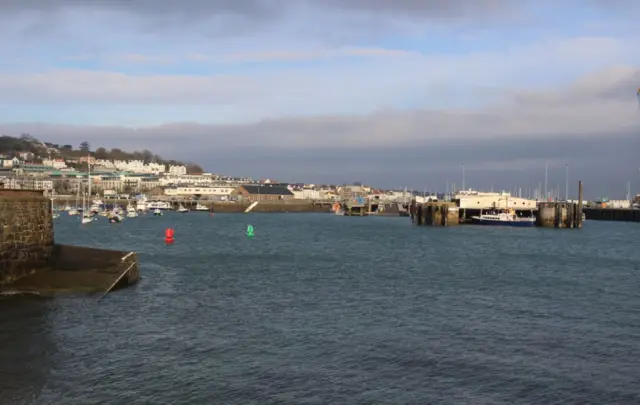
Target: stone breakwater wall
[26, 233]
[271, 207]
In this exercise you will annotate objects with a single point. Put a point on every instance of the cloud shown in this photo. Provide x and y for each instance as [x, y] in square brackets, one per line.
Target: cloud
[384, 90]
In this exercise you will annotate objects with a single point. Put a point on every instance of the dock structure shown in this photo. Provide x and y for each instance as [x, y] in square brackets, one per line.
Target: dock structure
[613, 214]
[358, 207]
[567, 215]
[561, 214]
[437, 213]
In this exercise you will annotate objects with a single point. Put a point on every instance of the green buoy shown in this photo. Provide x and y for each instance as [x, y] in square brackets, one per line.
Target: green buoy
[250, 231]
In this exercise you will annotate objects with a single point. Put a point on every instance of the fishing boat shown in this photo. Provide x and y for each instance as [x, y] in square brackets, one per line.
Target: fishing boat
[157, 212]
[505, 217]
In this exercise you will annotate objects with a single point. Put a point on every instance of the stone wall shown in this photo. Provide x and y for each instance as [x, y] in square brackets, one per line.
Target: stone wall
[26, 233]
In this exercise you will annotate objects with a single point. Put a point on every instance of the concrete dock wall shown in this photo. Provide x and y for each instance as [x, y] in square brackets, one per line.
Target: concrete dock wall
[438, 214]
[270, 207]
[80, 258]
[612, 214]
[26, 233]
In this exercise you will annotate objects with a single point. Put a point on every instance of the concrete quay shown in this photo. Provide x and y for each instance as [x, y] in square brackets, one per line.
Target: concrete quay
[31, 263]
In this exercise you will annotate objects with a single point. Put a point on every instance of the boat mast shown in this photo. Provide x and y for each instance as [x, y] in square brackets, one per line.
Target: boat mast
[89, 173]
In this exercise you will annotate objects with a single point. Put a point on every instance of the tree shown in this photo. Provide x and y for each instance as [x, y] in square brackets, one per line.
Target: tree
[27, 138]
[147, 156]
[194, 169]
[84, 146]
[67, 147]
[101, 153]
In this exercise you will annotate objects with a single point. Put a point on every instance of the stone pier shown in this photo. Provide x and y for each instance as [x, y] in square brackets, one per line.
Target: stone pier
[26, 234]
[30, 262]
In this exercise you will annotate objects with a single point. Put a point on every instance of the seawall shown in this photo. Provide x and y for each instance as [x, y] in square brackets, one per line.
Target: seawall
[82, 269]
[26, 234]
[270, 207]
[30, 262]
[612, 214]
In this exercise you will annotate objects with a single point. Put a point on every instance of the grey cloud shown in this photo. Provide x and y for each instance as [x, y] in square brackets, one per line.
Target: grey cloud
[594, 126]
[605, 163]
[425, 8]
[233, 17]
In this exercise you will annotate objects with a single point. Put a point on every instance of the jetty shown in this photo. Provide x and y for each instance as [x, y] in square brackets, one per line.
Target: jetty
[462, 209]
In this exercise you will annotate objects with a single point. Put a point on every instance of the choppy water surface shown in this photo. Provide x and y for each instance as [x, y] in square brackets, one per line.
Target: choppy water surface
[318, 309]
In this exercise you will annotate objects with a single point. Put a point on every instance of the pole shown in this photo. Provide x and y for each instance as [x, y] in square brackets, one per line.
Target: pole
[463, 177]
[566, 182]
[580, 204]
[546, 178]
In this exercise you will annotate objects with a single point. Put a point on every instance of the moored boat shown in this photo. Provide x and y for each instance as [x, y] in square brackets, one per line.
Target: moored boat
[504, 218]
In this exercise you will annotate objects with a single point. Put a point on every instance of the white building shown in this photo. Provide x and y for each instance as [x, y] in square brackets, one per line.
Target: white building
[190, 179]
[177, 170]
[221, 192]
[27, 184]
[308, 194]
[480, 200]
[55, 163]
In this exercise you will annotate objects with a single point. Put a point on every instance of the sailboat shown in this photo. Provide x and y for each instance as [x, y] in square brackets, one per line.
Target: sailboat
[74, 210]
[86, 214]
[54, 214]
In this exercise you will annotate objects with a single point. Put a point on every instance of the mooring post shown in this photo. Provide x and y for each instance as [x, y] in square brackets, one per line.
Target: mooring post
[580, 204]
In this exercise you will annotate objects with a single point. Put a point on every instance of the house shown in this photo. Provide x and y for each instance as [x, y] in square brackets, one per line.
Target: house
[26, 156]
[87, 159]
[262, 192]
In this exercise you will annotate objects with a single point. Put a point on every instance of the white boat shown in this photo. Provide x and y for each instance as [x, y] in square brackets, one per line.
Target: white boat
[142, 203]
[67, 207]
[200, 207]
[506, 217]
[157, 212]
[182, 209]
[73, 212]
[158, 205]
[131, 211]
[113, 218]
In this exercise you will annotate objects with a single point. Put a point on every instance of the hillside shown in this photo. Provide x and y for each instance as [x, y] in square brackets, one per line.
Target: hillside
[25, 143]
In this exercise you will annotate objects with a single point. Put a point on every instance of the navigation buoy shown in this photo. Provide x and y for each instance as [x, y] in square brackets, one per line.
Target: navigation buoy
[168, 236]
[250, 231]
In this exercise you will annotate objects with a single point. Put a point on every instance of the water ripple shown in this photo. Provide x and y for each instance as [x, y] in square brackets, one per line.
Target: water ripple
[318, 309]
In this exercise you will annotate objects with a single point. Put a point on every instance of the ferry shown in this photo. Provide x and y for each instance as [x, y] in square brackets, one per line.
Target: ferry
[505, 218]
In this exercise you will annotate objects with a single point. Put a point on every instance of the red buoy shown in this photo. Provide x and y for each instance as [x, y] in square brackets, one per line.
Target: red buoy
[168, 236]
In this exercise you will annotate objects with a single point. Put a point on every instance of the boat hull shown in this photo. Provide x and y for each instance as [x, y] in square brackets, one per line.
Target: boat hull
[491, 222]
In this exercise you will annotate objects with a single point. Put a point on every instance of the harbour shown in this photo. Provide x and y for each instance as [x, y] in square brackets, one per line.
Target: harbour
[388, 304]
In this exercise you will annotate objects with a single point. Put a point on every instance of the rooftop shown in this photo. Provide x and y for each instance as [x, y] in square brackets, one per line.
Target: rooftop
[269, 189]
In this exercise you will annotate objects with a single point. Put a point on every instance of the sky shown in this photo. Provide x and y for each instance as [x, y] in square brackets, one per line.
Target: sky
[396, 93]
